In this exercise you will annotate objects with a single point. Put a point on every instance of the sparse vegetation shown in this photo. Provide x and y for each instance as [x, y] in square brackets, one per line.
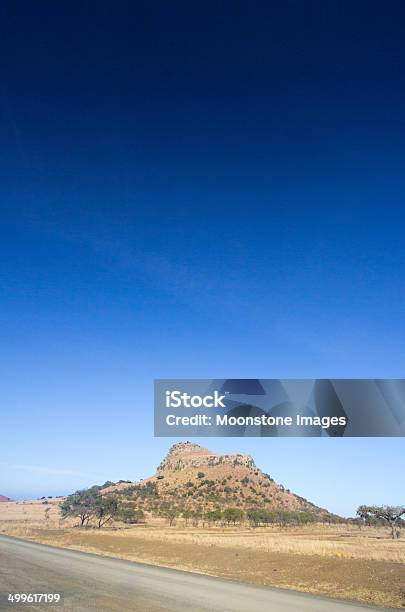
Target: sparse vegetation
[81, 505]
[282, 518]
[106, 508]
[391, 515]
[171, 514]
[108, 483]
[130, 515]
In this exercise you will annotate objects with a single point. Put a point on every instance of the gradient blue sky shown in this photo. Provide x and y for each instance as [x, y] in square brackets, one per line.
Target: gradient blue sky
[210, 192]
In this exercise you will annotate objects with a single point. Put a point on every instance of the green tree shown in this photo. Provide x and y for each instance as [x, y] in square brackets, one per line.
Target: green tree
[171, 514]
[127, 513]
[187, 515]
[197, 516]
[389, 514]
[232, 515]
[106, 508]
[108, 483]
[81, 504]
[213, 516]
[253, 517]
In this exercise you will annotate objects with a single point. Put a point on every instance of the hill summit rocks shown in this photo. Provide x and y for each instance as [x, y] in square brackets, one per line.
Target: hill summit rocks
[188, 455]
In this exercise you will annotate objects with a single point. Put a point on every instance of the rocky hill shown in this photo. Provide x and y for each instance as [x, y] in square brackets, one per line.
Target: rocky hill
[194, 478]
[3, 498]
[185, 455]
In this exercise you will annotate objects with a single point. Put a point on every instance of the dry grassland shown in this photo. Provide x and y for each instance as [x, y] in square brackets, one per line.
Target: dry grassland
[338, 561]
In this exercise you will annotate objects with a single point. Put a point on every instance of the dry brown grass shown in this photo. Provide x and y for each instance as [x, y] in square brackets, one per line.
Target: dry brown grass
[327, 541]
[340, 541]
[337, 560]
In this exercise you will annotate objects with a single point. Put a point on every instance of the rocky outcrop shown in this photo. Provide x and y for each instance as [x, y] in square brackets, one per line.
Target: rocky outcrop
[185, 454]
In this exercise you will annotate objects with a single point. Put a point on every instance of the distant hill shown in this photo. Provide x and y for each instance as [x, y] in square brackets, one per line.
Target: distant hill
[194, 478]
[3, 498]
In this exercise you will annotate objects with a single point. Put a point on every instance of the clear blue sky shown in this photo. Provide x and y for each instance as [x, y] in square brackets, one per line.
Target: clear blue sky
[213, 191]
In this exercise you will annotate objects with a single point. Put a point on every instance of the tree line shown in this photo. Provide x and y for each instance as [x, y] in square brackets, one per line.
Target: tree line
[232, 516]
[90, 506]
